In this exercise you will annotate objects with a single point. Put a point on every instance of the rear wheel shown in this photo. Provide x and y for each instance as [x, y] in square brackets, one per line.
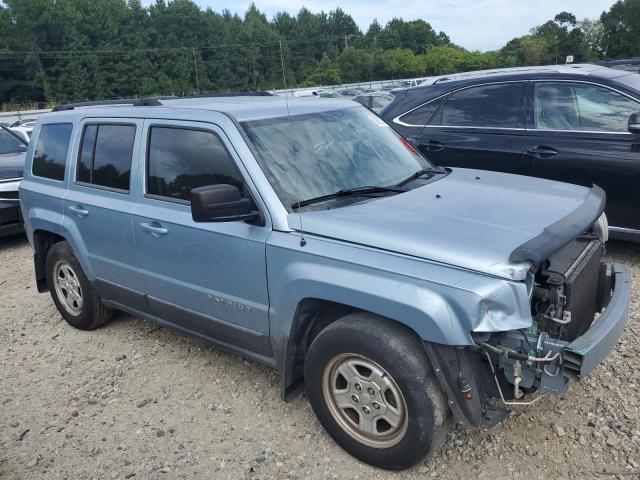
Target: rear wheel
[74, 296]
[372, 387]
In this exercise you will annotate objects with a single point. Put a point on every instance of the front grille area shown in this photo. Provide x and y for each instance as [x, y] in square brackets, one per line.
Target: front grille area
[9, 195]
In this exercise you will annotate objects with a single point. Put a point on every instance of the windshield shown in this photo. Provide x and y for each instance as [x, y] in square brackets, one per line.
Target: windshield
[313, 155]
[10, 143]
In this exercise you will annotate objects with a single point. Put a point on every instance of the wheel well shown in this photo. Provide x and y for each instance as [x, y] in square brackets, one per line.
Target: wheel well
[312, 316]
[43, 240]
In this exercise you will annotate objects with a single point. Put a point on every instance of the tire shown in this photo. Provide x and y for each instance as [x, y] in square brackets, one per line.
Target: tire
[71, 290]
[363, 346]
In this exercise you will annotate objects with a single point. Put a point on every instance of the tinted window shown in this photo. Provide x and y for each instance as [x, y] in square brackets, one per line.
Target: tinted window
[105, 155]
[182, 159]
[579, 106]
[50, 156]
[9, 143]
[497, 106]
[421, 116]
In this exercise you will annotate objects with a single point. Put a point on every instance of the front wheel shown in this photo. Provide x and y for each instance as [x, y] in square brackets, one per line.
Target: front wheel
[371, 386]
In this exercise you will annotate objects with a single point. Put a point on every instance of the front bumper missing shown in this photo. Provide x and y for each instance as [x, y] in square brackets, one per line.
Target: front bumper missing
[586, 352]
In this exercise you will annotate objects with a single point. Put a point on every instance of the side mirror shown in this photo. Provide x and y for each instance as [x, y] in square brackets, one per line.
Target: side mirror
[634, 123]
[220, 203]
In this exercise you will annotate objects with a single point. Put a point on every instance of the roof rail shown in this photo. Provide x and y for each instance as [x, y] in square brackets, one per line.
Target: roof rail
[136, 102]
[153, 101]
[258, 93]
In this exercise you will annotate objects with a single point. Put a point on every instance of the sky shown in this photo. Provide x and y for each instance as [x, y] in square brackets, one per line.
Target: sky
[473, 24]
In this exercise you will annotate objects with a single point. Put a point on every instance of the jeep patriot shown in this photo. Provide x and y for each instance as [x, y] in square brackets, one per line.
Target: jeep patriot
[309, 236]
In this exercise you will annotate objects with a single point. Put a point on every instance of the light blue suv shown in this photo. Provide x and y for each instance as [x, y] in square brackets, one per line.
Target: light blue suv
[307, 235]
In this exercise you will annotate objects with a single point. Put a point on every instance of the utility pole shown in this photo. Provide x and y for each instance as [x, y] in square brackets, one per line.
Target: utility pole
[195, 69]
[345, 41]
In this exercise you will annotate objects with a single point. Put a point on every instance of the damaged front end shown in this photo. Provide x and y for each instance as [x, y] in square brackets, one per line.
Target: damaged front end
[579, 307]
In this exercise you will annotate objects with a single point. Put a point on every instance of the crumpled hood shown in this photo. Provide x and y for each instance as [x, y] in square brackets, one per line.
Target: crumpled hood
[471, 219]
[11, 165]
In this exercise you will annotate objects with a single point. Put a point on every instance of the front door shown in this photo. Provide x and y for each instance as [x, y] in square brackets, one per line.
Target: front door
[578, 134]
[208, 278]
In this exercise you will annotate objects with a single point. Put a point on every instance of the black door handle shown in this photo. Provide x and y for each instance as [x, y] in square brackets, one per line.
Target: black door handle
[432, 146]
[542, 151]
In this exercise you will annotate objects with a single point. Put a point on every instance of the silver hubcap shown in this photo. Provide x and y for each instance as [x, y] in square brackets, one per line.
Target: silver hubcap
[67, 287]
[364, 400]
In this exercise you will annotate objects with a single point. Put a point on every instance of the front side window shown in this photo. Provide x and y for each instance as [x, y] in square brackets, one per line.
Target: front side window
[311, 155]
[581, 106]
[105, 155]
[496, 106]
[9, 143]
[181, 159]
[50, 157]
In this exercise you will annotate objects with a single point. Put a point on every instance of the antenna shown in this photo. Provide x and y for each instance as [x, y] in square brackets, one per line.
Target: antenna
[303, 241]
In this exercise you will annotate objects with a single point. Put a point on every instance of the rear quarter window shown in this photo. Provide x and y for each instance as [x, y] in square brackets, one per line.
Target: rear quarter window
[50, 156]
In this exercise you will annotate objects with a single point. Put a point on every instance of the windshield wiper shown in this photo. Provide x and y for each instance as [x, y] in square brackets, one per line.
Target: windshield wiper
[346, 192]
[422, 173]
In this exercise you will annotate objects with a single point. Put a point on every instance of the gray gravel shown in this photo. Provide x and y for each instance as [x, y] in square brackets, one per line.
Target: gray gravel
[132, 400]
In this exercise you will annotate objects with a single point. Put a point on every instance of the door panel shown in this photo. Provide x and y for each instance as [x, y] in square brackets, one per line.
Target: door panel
[214, 273]
[103, 219]
[471, 148]
[577, 133]
[611, 161]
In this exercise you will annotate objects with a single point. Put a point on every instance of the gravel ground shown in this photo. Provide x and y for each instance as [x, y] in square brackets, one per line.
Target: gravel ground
[135, 401]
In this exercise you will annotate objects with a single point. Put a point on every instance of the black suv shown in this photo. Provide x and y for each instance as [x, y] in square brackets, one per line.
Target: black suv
[577, 124]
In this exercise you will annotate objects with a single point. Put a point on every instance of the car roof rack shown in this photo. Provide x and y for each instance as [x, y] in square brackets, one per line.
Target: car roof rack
[257, 93]
[136, 102]
[154, 101]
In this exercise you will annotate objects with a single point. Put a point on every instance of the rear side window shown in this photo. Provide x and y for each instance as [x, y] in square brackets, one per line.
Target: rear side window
[181, 159]
[498, 106]
[50, 157]
[422, 115]
[105, 156]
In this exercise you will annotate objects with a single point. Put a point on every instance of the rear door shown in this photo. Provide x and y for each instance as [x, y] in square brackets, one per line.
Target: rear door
[99, 204]
[577, 133]
[208, 278]
[479, 127]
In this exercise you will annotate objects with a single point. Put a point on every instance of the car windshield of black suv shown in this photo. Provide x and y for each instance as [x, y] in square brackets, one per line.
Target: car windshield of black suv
[315, 155]
[10, 144]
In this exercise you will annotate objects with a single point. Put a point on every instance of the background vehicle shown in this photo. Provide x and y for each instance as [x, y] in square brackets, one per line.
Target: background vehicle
[626, 64]
[350, 92]
[23, 129]
[375, 101]
[575, 124]
[410, 294]
[12, 154]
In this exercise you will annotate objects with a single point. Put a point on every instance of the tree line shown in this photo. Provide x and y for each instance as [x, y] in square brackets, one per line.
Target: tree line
[74, 50]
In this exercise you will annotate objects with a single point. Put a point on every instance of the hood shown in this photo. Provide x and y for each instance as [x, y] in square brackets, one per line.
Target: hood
[11, 165]
[476, 220]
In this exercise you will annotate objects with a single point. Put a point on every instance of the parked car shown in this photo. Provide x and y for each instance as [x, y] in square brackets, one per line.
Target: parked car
[576, 124]
[12, 153]
[329, 94]
[307, 235]
[23, 129]
[350, 92]
[375, 101]
[626, 64]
